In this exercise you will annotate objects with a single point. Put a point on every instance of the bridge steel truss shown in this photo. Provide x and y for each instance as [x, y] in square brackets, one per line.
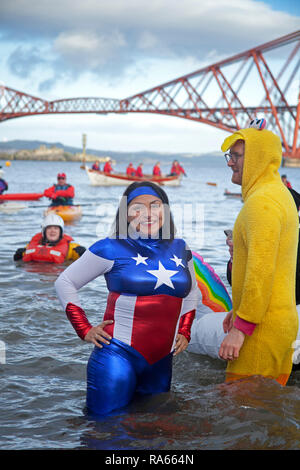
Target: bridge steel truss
[226, 94]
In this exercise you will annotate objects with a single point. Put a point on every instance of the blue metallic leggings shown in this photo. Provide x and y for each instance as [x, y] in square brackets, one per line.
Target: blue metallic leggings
[116, 372]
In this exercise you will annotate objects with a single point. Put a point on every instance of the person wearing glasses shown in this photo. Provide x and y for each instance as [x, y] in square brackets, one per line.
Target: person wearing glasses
[62, 193]
[263, 323]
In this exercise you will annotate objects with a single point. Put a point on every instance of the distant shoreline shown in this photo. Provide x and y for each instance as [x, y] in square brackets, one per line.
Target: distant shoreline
[44, 151]
[53, 153]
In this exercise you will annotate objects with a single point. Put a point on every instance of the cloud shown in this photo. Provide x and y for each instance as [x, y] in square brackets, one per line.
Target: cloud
[23, 61]
[111, 38]
[94, 50]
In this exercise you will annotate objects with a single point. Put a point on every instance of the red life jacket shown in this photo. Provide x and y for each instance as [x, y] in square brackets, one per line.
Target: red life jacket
[35, 251]
[156, 171]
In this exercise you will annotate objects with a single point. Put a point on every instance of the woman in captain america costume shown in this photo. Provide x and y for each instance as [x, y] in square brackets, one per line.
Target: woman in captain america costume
[151, 304]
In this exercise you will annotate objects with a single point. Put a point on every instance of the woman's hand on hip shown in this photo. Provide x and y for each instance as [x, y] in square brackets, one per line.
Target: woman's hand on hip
[181, 344]
[97, 335]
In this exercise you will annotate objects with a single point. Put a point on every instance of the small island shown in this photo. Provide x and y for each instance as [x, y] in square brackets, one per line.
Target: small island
[51, 153]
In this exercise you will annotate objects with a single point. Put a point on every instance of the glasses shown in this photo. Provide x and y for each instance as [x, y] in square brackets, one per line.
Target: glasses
[232, 156]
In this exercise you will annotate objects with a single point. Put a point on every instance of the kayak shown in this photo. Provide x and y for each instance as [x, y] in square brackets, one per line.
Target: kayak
[67, 213]
[21, 196]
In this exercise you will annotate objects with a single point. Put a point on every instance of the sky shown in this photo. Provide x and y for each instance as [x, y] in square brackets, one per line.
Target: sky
[115, 49]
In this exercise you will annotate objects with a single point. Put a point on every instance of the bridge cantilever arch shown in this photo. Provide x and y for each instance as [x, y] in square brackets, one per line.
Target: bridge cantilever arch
[262, 82]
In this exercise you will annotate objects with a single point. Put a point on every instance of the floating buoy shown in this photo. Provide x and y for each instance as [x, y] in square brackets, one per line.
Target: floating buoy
[7, 163]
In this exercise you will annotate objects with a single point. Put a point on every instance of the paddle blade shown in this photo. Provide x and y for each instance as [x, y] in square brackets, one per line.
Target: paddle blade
[21, 196]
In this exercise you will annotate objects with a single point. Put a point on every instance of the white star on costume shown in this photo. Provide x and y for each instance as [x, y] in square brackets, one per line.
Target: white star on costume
[140, 259]
[163, 276]
[178, 261]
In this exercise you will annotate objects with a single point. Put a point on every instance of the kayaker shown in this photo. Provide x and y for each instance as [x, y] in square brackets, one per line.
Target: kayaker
[3, 185]
[130, 170]
[108, 166]
[151, 303]
[62, 193]
[156, 169]
[50, 245]
[139, 171]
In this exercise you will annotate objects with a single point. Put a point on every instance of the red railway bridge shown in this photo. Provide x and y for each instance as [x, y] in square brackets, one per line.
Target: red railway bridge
[260, 82]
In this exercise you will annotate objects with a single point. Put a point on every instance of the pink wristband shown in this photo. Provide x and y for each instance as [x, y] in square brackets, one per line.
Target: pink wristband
[245, 326]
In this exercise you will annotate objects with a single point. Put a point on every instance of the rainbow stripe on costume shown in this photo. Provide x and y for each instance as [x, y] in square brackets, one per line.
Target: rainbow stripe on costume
[214, 293]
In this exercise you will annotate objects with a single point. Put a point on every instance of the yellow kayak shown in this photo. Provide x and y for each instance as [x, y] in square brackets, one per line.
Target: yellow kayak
[67, 213]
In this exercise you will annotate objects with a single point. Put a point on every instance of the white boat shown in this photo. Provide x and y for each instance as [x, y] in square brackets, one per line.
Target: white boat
[99, 178]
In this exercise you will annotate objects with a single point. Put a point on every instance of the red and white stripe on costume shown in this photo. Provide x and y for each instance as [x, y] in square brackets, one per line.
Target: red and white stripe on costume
[146, 323]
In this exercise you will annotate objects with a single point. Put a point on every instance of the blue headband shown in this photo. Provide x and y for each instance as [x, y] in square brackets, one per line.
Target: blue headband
[140, 191]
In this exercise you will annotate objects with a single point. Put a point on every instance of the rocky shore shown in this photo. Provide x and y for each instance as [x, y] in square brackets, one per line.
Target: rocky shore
[51, 153]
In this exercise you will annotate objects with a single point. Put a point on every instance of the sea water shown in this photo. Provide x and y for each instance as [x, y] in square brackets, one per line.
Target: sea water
[43, 362]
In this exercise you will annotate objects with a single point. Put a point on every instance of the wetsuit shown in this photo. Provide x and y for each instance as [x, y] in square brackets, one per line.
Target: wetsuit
[152, 297]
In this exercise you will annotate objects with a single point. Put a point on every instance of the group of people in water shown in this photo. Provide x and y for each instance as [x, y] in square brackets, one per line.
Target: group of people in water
[176, 169]
[152, 291]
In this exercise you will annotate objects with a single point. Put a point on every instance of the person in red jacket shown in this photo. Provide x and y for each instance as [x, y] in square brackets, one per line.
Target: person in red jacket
[130, 171]
[286, 182]
[139, 171]
[61, 193]
[51, 245]
[156, 169]
[177, 169]
[107, 167]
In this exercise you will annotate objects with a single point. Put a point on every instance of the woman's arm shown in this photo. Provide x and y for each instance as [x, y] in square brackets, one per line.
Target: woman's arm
[81, 272]
[188, 311]
[78, 274]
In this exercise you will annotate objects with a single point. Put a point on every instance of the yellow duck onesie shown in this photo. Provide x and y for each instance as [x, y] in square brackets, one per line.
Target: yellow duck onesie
[265, 238]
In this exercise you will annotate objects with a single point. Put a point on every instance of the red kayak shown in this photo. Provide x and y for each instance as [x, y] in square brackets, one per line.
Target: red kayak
[21, 196]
